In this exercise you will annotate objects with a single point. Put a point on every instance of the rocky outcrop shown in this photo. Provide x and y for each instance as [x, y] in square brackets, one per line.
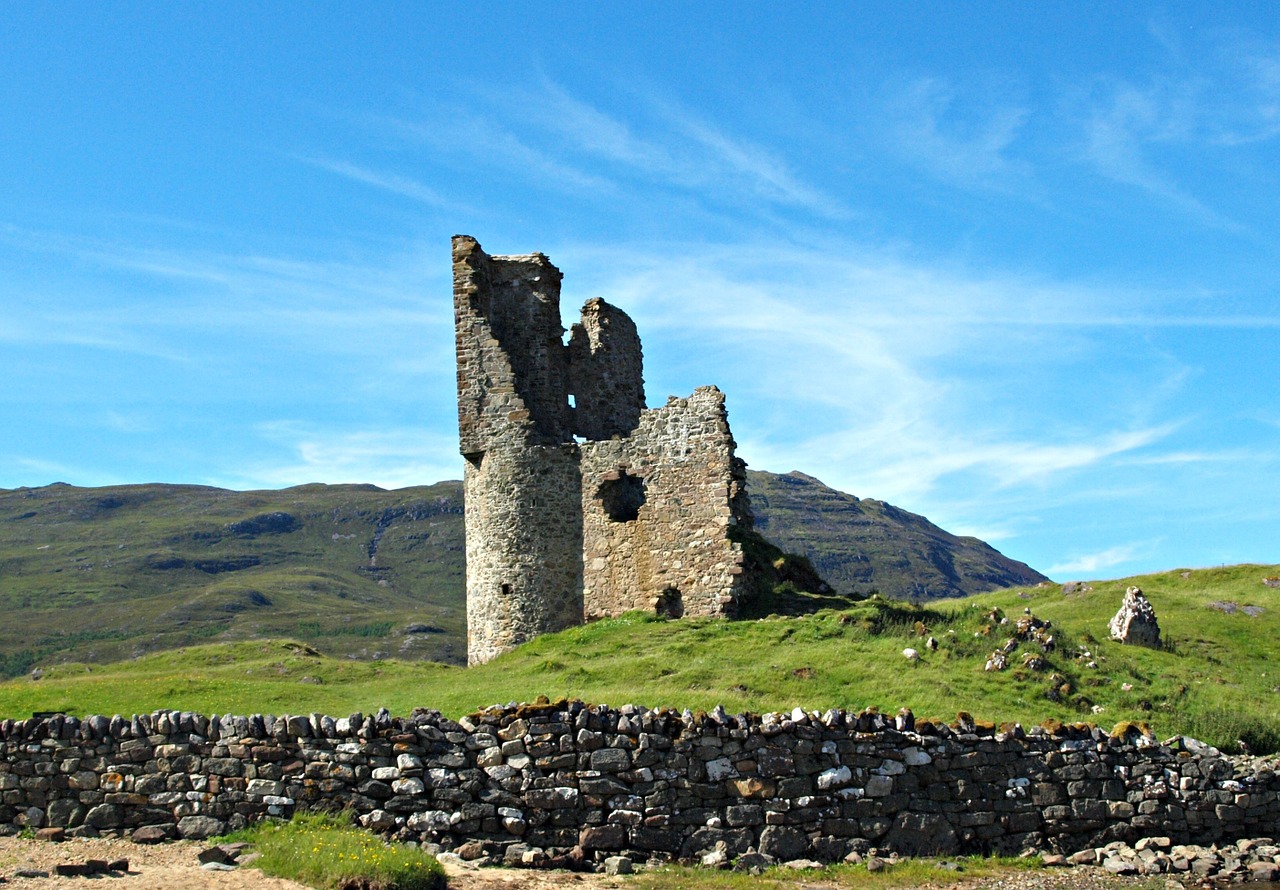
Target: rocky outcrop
[1136, 623]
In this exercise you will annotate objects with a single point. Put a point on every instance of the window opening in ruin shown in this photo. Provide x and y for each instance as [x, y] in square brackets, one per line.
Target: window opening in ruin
[621, 495]
[572, 402]
[670, 603]
[506, 590]
[474, 458]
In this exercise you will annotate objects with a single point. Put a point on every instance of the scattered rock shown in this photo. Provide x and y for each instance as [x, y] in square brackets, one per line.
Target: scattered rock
[152, 834]
[470, 851]
[1135, 623]
[198, 827]
[618, 865]
[225, 853]
[753, 863]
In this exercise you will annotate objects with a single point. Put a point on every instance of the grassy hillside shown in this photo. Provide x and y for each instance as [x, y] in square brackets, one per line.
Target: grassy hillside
[1216, 679]
[860, 545]
[100, 574]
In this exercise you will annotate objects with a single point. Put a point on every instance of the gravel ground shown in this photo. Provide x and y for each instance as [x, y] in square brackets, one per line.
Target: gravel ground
[173, 866]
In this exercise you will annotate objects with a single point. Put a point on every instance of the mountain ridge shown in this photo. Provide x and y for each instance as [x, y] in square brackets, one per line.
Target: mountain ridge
[102, 574]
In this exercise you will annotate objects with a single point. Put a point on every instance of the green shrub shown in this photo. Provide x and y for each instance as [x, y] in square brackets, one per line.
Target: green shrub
[326, 851]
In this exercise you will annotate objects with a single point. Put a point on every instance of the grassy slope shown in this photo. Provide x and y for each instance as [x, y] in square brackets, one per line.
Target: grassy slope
[99, 574]
[1217, 682]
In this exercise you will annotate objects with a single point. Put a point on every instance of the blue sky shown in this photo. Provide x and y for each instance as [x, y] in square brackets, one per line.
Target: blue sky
[1012, 266]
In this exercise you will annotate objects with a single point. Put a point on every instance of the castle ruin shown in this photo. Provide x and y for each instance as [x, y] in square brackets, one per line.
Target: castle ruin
[580, 502]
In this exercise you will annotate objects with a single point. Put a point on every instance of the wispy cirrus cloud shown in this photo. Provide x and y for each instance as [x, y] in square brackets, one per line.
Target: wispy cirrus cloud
[479, 140]
[405, 186]
[861, 386]
[963, 140]
[389, 458]
[565, 141]
[761, 170]
[1227, 98]
[146, 296]
[1117, 134]
[1097, 562]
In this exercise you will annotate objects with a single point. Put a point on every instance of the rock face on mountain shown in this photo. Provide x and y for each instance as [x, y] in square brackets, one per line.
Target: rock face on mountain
[859, 545]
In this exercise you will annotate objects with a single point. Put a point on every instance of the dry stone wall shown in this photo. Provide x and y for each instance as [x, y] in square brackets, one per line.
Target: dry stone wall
[534, 782]
[647, 526]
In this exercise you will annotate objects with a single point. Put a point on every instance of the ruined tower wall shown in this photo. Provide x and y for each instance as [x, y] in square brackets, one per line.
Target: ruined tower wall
[657, 507]
[648, 527]
[605, 372]
[512, 364]
[521, 480]
[524, 547]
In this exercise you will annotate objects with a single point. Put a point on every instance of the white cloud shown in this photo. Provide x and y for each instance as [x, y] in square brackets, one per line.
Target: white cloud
[404, 186]
[144, 298]
[550, 137]
[1117, 132]
[389, 458]
[764, 172]
[1096, 562]
[966, 142]
[855, 380]
[478, 141]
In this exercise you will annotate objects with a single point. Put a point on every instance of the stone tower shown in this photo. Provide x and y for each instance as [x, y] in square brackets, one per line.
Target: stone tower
[580, 503]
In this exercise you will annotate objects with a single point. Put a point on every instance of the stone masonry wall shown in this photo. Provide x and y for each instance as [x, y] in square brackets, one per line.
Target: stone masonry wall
[512, 371]
[524, 546]
[673, 553]
[521, 479]
[545, 548]
[605, 372]
[653, 784]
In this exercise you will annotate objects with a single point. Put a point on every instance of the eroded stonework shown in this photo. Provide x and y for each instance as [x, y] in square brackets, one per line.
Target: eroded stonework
[581, 503]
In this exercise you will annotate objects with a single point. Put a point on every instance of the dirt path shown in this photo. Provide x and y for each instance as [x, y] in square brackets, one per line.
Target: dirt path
[174, 866]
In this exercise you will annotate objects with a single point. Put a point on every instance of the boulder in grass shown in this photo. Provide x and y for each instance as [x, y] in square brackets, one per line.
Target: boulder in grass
[1135, 624]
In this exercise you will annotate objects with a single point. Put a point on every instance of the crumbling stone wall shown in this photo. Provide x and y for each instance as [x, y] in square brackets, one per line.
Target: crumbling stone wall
[655, 784]
[605, 372]
[521, 480]
[671, 553]
[580, 502]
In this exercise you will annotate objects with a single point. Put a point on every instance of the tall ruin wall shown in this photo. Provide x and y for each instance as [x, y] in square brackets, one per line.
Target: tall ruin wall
[581, 503]
[654, 784]
[657, 507]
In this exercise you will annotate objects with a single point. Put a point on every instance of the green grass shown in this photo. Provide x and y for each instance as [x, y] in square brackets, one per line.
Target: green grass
[325, 851]
[1215, 679]
[914, 872]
